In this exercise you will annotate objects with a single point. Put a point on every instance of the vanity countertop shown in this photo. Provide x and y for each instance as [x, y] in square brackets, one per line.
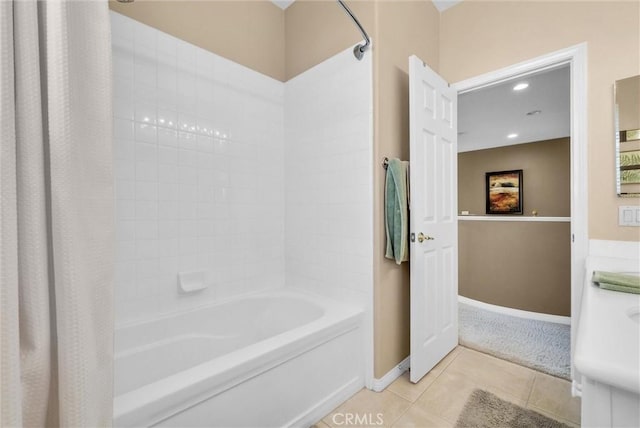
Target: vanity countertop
[608, 342]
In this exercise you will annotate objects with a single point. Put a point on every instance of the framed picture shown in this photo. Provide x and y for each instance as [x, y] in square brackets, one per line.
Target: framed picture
[504, 192]
[630, 167]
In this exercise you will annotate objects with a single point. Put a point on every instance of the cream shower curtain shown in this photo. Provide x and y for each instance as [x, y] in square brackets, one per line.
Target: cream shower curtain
[56, 214]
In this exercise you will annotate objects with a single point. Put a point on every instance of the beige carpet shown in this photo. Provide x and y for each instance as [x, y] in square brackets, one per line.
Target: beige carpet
[543, 346]
[485, 410]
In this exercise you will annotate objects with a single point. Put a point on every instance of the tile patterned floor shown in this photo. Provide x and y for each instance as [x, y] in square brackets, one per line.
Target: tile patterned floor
[438, 399]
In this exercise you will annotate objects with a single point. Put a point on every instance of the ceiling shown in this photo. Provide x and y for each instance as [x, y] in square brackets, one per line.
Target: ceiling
[441, 5]
[486, 116]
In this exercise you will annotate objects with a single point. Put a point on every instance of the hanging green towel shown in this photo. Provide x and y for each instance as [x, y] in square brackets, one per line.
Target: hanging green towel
[396, 210]
[615, 281]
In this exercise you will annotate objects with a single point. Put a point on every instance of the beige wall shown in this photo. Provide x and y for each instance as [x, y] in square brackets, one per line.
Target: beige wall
[398, 29]
[525, 265]
[546, 177]
[481, 36]
[404, 28]
[250, 33]
[318, 29]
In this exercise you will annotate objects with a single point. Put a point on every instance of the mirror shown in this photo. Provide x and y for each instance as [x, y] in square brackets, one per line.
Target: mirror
[627, 124]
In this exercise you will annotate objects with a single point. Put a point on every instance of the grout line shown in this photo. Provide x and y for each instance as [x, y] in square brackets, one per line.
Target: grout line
[552, 415]
[533, 384]
[402, 414]
[401, 397]
[396, 394]
[437, 376]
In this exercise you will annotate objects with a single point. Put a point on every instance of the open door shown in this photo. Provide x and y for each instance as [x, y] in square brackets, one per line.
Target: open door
[434, 221]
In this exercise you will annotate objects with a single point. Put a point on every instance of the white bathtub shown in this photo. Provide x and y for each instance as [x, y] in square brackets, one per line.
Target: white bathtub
[281, 358]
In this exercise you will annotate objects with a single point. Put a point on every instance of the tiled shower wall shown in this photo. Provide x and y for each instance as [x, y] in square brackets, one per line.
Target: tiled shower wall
[200, 170]
[328, 179]
[200, 173]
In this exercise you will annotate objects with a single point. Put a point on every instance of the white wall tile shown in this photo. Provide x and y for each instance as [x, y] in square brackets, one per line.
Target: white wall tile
[125, 230]
[146, 191]
[146, 152]
[167, 155]
[145, 113]
[201, 167]
[125, 170]
[169, 218]
[143, 92]
[147, 249]
[144, 70]
[187, 140]
[145, 133]
[328, 179]
[146, 229]
[167, 137]
[167, 118]
[146, 171]
[122, 129]
[146, 210]
[166, 46]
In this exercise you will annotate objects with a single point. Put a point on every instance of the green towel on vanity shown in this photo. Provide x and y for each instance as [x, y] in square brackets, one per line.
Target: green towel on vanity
[396, 210]
[615, 281]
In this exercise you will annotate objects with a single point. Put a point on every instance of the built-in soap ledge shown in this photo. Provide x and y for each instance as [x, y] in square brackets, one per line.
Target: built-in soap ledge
[191, 282]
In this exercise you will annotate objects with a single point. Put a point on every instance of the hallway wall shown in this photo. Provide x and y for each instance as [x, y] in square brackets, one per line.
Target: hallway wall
[516, 264]
[477, 37]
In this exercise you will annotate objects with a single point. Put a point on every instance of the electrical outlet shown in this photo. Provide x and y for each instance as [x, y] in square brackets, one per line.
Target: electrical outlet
[629, 216]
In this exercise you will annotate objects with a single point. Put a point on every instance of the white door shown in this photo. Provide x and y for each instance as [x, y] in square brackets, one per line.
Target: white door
[434, 225]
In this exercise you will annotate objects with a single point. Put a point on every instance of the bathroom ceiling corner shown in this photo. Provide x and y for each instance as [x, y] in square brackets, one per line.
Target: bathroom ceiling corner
[441, 5]
[282, 4]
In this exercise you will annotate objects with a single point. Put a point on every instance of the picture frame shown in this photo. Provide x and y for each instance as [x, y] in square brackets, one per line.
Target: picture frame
[630, 167]
[504, 192]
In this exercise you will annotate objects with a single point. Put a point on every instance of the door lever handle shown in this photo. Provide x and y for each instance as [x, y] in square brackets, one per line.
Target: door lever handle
[422, 237]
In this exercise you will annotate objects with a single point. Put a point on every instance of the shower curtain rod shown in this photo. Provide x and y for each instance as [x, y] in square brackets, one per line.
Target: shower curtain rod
[360, 49]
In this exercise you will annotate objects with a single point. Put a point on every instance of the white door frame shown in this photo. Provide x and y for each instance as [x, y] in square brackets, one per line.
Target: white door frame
[576, 57]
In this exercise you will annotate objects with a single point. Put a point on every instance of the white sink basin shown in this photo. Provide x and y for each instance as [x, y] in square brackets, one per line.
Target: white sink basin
[608, 342]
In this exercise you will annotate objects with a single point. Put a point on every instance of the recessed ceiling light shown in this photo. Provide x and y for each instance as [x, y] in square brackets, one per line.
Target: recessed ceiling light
[514, 135]
[521, 86]
[534, 112]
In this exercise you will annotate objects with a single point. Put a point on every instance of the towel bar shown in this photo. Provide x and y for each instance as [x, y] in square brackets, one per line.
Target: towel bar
[385, 163]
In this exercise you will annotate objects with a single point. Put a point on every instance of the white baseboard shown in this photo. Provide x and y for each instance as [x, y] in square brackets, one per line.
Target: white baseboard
[576, 389]
[380, 385]
[515, 312]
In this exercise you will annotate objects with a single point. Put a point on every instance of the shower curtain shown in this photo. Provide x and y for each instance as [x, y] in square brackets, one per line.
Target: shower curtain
[56, 214]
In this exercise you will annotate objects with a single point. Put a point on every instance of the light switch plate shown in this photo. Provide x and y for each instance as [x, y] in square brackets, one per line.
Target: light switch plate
[629, 216]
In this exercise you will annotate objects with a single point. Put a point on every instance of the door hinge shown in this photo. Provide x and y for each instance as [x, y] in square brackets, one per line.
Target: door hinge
[573, 237]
